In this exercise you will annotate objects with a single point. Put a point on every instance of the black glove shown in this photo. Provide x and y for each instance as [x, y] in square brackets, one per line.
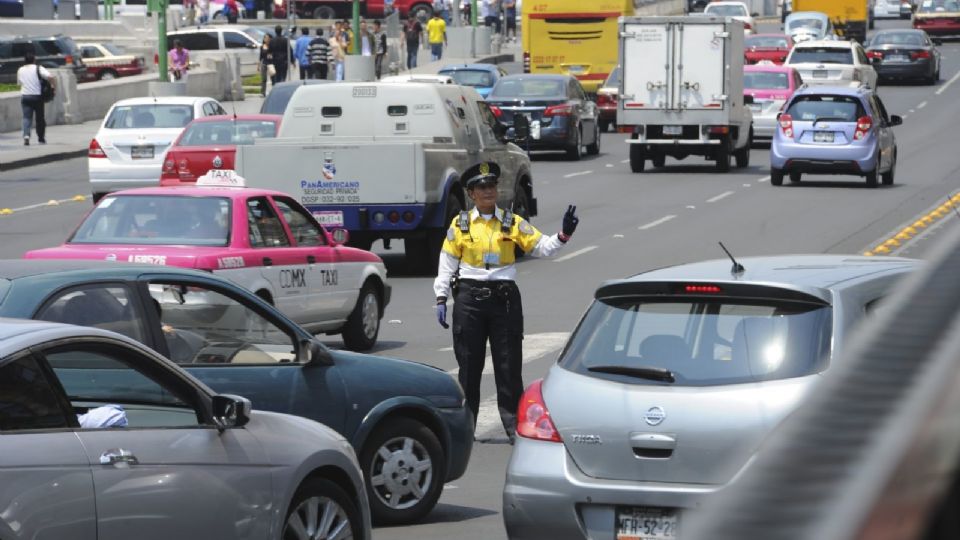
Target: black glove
[570, 220]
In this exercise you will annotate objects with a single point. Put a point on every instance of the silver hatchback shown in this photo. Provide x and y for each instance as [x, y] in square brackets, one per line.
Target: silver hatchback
[669, 385]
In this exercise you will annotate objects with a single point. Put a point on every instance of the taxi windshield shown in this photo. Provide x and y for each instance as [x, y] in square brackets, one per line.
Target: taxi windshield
[822, 55]
[156, 220]
[529, 88]
[726, 10]
[766, 80]
[227, 132]
[471, 77]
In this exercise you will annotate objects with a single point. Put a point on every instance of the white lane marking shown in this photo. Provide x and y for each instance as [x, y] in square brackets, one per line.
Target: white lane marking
[653, 224]
[946, 85]
[609, 165]
[921, 105]
[905, 116]
[912, 111]
[534, 346]
[723, 195]
[691, 207]
[746, 185]
[625, 161]
[618, 236]
[764, 179]
[445, 349]
[576, 253]
[581, 173]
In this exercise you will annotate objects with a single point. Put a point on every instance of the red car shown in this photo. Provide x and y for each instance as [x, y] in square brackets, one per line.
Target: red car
[210, 143]
[772, 47]
[938, 17]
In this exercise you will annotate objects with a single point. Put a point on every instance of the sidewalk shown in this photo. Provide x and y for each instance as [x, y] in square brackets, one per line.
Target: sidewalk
[71, 140]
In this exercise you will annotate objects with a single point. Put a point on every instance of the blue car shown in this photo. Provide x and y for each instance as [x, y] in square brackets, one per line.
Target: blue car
[482, 77]
[834, 130]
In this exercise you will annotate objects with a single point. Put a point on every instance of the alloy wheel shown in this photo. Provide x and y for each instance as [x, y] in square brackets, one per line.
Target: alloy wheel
[318, 518]
[401, 472]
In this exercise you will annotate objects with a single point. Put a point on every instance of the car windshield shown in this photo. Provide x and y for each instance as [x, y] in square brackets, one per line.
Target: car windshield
[229, 132]
[766, 80]
[726, 10]
[939, 6]
[914, 39]
[529, 88]
[471, 77]
[838, 108]
[795, 24]
[767, 42]
[149, 116]
[821, 55]
[114, 49]
[157, 220]
[698, 342]
[256, 33]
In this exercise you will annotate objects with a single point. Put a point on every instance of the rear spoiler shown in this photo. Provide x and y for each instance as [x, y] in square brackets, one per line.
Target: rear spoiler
[707, 289]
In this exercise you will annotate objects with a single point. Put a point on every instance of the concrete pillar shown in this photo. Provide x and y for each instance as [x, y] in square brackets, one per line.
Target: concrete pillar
[359, 68]
[157, 88]
[482, 39]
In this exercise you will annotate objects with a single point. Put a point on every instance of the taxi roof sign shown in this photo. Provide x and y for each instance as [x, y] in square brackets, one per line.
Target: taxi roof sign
[221, 177]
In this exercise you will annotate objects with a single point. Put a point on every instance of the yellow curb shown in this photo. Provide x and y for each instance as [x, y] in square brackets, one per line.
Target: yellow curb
[910, 230]
[5, 211]
[938, 213]
[78, 198]
[881, 249]
[868, 254]
[903, 236]
[53, 202]
[926, 219]
[920, 224]
[891, 243]
[956, 198]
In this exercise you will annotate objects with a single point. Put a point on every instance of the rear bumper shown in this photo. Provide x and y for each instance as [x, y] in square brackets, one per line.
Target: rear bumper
[822, 159]
[911, 70]
[107, 176]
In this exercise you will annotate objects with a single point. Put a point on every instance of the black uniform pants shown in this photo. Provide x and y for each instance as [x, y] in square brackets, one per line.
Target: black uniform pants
[490, 311]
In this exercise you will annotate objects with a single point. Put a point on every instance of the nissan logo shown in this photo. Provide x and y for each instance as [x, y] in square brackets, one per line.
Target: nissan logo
[654, 416]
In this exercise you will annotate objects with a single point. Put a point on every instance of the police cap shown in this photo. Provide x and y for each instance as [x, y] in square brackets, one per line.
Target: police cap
[487, 172]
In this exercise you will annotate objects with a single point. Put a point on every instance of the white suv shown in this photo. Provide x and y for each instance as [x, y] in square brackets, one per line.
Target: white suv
[832, 62]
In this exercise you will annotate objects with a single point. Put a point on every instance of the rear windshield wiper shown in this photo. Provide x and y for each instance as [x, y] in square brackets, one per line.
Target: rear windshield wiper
[640, 372]
[830, 118]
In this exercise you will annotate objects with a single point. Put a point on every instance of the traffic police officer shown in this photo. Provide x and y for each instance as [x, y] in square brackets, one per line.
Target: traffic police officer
[478, 254]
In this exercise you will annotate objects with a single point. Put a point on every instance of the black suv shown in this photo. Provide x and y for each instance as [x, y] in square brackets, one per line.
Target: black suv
[52, 52]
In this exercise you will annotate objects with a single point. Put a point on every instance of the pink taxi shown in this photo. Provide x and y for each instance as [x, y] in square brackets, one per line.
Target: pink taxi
[262, 240]
[771, 86]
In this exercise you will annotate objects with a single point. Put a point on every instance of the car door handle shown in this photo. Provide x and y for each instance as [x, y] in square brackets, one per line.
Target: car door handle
[117, 456]
[311, 259]
[267, 261]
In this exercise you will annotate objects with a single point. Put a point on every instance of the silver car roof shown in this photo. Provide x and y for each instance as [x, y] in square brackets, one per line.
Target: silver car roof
[17, 334]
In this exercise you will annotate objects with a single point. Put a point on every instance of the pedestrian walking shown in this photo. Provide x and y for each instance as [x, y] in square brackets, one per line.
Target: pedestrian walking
[510, 18]
[280, 55]
[231, 11]
[443, 8]
[478, 257]
[411, 35]
[436, 36]
[29, 77]
[337, 52]
[319, 52]
[380, 48]
[300, 52]
[178, 62]
[203, 10]
[366, 40]
[266, 64]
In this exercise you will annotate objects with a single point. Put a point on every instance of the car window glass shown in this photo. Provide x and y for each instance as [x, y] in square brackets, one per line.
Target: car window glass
[529, 88]
[815, 24]
[27, 398]
[766, 80]
[766, 42]
[218, 109]
[105, 306]
[726, 10]
[156, 220]
[808, 108]
[91, 52]
[265, 227]
[203, 326]
[881, 110]
[470, 77]
[21, 48]
[235, 40]
[227, 132]
[6, 49]
[98, 375]
[306, 231]
[196, 41]
[821, 55]
[149, 116]
[207, 109]
[862, 56]
[47, 48]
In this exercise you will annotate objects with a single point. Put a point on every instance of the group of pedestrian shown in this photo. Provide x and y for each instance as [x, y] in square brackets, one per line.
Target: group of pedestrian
[198, 11]
[436, 37]
[501, 15]
[275, 58]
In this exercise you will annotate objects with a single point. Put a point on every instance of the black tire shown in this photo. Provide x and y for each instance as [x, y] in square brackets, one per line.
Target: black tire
[594, 149]
[317, 492]
[658, 159]
[871, 177]
[638, 156]
[575, 151]
[363, 325]
[107, 75]
[723, 155]
[776, 177]
[386, 478]
[605, 125]
[743, 155]
[795, 178]
[324, 12]
[887, 177]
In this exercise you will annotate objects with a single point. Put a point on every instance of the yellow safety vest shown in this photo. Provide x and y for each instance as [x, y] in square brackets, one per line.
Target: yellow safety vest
[488, 237]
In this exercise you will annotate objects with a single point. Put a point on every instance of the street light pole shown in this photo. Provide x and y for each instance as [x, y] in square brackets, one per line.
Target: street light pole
[161, 6]
[355, 43]
[473, 13]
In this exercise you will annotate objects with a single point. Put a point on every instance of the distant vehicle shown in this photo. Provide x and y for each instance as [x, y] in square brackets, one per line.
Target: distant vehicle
[809, 26]
[835, 130]
[561, 117]
[771, 86]
[737, 10]
[70, 473]
[129, 147]
[419, 78]
[482, 77]
[938, 18]
[851, 18]
[107, 61]
[332, 9]
[51, 51]
[832, 63]
[607, 98]
[210, 143]
[771, 47]
[904, 54]
[222, 40]
[892, 9]
[631, 429]
[280, 94]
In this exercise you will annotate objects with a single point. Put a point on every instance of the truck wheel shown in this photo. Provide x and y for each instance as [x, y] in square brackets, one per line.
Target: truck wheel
[723, 155]
[637, 158]
[594, 149]
[575, 151]
[776, 177]
[324, 12]
[363, 324]
[743, 155]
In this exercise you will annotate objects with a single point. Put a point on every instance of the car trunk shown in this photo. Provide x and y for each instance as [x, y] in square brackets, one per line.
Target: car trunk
[137, 146]
[899, 55]
[532, 108]
[191, 162]
[821, 73]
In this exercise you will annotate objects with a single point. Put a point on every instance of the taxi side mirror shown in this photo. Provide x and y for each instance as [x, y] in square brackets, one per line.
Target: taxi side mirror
[339, 237]
[521, 127]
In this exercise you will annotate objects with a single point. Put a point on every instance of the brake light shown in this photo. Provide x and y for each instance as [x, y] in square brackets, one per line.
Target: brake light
[168, 166]
[69, 59]
[875, 54]
[533, 418]
[710, 289]
[786, 125]
[558, 110]
[182, 165]
[719, 130]
[864, 123]
[94, 150]
[526, 62]
[747, 26]
[496, 111]
[604, 99]
[919, 54]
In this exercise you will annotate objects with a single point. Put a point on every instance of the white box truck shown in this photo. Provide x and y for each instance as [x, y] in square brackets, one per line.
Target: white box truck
[681, 90]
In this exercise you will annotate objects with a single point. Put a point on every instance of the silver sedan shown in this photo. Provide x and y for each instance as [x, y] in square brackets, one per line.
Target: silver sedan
[102, 439]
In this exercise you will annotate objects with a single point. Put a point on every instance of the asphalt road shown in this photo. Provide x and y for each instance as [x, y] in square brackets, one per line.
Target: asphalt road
[629, 223]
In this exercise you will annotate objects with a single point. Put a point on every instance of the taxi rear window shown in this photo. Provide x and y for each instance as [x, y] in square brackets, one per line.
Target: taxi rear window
[157, 220]
[229, 132]
[766, 80]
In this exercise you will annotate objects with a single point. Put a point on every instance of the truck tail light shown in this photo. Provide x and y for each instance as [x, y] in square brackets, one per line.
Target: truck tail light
[94, 150]
[864, 123]
[558, 110]
[747, 26]
[786, 125]
[526, 62]
[604, 99]
[919, 54]
[533, 418]
[875, 54]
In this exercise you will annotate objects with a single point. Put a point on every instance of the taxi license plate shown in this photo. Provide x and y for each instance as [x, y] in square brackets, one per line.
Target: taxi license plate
[823, 136]
[644, 523]
[329, 217]
[141, 152]
[673, 130]
[819, 74]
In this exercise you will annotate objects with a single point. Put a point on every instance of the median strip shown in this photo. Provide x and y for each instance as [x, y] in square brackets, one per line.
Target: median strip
[900, 238]
[51, 202]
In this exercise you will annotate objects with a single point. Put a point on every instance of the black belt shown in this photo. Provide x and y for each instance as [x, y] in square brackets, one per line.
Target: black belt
[487, 284]
[481, 290]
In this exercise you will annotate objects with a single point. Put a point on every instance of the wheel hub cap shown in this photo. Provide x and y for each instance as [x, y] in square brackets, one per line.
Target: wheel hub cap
[401, 473]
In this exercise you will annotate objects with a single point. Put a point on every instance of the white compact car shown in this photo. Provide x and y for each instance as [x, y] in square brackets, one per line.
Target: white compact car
[832, 62]
[128, 150]
[736, 10]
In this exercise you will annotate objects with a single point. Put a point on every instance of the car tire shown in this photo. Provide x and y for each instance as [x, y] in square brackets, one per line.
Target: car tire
[795, 178]
[887, 177]
[723, 155]
[324, 12]
[363, 325]
[415, 459]
[336, 510]
[743, 155]
[107, 75]
[594, 149]
[776, 177]
[871, 177]
[637, 158]
[575, 151]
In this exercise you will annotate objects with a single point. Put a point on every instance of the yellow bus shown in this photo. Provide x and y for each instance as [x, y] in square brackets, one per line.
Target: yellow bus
[572, 37]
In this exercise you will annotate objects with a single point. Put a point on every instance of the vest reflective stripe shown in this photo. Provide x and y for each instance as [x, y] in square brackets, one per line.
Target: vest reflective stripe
[468, 240]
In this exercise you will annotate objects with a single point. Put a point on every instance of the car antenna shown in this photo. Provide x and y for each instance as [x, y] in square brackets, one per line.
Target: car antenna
[737, 268]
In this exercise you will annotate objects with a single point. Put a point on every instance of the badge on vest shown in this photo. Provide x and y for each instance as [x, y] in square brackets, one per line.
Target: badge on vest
[491, 259]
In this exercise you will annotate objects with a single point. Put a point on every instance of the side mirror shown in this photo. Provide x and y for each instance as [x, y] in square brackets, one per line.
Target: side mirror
[231, 411]
[896, 120]
[521, 127]
[339, 236]
[317, 354]
[500, 131]
[748, 99]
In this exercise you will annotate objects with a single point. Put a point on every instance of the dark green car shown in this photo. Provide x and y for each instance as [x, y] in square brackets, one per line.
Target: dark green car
[407, 421]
